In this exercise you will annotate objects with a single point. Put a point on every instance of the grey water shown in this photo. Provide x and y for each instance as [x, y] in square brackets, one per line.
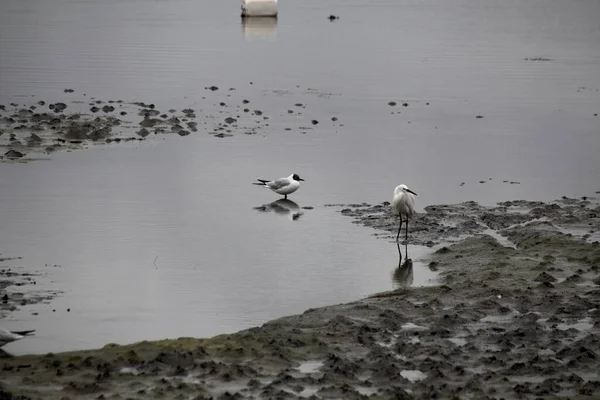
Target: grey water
[162, 238]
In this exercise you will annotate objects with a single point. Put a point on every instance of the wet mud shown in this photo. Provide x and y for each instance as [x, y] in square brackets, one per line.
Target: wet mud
[18, 285]
[35, 129]
[515, 315]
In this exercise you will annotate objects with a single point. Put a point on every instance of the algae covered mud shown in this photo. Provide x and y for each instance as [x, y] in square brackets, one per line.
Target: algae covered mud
[516, 315]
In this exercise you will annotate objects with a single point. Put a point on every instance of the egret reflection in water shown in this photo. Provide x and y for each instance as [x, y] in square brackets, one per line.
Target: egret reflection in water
[282, 207]
[403, 274]
[259, 28]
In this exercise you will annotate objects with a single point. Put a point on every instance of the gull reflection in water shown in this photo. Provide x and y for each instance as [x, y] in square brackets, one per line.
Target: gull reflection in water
[282, 207]
[259, 28]
[403, 274]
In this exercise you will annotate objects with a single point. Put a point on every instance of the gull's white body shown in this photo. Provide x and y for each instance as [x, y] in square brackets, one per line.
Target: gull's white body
[403, 202]
[7, 336]
[282, 186]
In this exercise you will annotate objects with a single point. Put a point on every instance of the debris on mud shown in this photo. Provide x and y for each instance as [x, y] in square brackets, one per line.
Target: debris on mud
[15, 287]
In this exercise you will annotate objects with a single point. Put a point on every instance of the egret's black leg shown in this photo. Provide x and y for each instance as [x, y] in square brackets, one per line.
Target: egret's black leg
[399, 254]
[400, 227]
[406, 230]
[285, 196]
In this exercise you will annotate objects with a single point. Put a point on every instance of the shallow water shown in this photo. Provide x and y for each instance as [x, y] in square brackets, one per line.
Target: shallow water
[161, 239]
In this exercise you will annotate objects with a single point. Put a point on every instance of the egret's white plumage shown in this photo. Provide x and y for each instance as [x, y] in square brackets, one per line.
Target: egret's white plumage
[7, 336]
[403, 203]
[283, 186]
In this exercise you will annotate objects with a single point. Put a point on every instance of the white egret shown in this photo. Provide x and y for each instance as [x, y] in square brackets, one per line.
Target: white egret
[403, 203]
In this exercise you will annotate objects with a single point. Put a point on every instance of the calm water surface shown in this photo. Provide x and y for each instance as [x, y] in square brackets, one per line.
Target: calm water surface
[161, 239]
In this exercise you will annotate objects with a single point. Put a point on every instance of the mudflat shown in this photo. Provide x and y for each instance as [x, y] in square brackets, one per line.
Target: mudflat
[516, 315]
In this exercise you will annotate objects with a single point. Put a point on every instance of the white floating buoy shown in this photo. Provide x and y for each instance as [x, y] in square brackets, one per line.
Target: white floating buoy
[259, 8]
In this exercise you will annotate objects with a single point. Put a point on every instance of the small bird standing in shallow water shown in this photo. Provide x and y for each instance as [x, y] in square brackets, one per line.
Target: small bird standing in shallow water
[282, 186]
[403, 203]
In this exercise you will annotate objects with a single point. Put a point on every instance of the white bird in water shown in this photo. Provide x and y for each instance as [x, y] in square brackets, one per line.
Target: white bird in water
[403, 203]
[282, 186]
[7, 336]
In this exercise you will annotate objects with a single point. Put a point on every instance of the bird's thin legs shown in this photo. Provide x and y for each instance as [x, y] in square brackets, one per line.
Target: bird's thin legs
[406, 237]
[399, 254]
[400, 227]
[285, 196]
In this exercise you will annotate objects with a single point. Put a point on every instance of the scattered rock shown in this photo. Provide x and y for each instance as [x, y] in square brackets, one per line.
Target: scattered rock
[58, 107]
[143, 132]
[34, 140]
[14, 154]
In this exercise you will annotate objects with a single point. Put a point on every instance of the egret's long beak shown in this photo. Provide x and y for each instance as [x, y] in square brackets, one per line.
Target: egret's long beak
[300, 179]
[410, 191]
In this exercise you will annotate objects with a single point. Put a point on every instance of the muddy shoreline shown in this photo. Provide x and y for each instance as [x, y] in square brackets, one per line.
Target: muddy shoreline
[516, 315]
[32, 130]
[18, 286]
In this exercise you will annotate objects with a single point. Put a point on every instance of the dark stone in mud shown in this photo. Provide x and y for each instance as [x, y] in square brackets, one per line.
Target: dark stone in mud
[68, 90]
[314, 122]
[143, 132]
[257, 112]
[34, 140]
[77, 131]
[14, 154]
[392, 103]
[150, 122]
[479, 116]
[57, 107]
[176, 128]
[94, 109]
[333, 17]
[148, 113]
[404, 104]
[334, 119]
[213, 88]
[108, 109]
[183, 132]
[2, 107]
[545, 277]
[230, 120]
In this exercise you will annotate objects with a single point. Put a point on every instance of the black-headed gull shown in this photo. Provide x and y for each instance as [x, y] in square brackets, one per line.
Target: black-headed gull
[282, 186]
